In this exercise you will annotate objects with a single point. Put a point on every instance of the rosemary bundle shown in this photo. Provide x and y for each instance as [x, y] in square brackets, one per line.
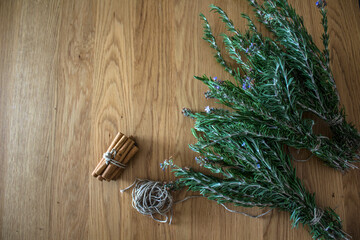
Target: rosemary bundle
[256, 173]
[278, 80]
[275, 82]
[311, 67]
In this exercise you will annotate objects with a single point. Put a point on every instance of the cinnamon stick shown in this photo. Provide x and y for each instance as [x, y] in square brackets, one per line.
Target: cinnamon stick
[119, 157]
[120, 143]
[129, 156]
[113, 143]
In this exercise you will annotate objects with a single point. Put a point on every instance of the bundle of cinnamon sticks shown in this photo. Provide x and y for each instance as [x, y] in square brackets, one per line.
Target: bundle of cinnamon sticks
[121, 150]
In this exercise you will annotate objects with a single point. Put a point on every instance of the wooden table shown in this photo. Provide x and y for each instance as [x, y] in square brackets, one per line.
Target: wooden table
[73, 73]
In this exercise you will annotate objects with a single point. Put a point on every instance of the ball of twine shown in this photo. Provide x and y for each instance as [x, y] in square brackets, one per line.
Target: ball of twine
[152, 198]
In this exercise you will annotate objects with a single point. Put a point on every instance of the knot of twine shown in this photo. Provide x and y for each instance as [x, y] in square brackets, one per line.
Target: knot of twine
[151, 198]
[317, 147]
[318, 213]
[337, 120]
[110, 158]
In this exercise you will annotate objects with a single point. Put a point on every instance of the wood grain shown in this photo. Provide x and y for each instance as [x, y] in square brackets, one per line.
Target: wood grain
[73, 73]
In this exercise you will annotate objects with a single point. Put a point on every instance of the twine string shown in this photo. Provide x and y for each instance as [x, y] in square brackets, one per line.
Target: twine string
[337, 120]
[296, 159]
[246, 214]
[151, 198]
[319, 139]
[301, 160]
[110, 158]
[318, 213]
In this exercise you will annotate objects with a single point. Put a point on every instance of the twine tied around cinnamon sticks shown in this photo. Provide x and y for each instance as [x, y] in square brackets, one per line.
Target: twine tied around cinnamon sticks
[115, 159]
[110, 158]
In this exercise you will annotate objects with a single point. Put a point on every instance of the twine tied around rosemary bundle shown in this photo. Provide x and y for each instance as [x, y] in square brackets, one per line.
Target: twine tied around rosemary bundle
[153, 198]
[318, 213]
[336, 121]
[319, 142]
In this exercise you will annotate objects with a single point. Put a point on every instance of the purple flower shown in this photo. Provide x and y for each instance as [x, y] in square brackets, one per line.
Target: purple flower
[243, 144]
[207, 109]
[258, 165]
[162, 166]
[244, 86]
[214, 78]
[208, 94]
[247, 83]
[321, 3]
[252, 45]
[186, 112]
